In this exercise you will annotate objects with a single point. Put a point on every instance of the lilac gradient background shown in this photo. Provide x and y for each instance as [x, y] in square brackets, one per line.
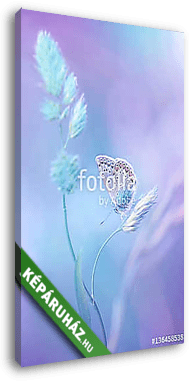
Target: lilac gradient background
[133, 80]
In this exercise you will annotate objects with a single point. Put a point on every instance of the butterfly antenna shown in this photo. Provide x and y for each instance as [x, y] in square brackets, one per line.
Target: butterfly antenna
[101, 223]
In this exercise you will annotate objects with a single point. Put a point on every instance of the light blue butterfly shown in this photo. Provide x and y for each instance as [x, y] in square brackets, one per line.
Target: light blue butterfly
[119, 180]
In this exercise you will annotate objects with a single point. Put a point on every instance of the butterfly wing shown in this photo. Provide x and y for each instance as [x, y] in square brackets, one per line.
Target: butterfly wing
[127, 181]
[106, 168]
[125, 173]
[119, 180]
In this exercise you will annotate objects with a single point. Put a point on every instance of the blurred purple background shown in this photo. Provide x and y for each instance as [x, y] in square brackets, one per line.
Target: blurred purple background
[133, 81]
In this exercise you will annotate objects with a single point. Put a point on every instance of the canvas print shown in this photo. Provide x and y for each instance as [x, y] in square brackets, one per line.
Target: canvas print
[99, 188]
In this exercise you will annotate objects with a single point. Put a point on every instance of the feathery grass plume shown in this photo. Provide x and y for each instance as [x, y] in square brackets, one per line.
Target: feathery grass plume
[79, 118]
[64, 171]
[51, 64]
[140, 210]
[51, 110]
[70, 89]
[65, 113]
